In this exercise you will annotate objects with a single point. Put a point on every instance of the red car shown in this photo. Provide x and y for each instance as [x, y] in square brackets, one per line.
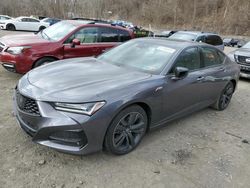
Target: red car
[66, 39]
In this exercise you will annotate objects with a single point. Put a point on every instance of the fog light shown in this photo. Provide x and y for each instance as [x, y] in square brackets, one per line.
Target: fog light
[76, 138]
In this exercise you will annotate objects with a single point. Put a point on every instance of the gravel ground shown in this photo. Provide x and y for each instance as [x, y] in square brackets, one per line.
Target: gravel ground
[206, 149]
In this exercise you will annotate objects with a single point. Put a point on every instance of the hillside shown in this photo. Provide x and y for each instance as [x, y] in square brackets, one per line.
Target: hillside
[222, 16]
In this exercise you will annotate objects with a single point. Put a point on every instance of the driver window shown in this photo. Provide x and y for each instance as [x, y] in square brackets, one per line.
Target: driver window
[189, 58]
[85, 35]
[24, 20]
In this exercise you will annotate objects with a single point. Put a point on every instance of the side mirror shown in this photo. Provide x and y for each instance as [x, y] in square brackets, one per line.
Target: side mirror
[180, 73]
[75, 42]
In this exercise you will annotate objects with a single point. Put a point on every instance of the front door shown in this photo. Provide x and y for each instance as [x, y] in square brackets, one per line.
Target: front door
[88, 37]
[184, 95]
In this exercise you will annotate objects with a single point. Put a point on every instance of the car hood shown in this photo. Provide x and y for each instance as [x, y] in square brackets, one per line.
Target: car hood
[242, 52]
[23, 39]
[80, 80]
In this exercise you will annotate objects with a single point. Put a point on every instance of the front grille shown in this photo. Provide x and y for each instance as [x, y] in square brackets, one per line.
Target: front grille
[27, 104]
[245, 71]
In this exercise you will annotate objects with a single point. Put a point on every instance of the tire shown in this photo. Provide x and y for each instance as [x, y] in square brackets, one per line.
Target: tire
[225, 97]
[11, 27]
[126, 130]
[42, 28]
[43, 61]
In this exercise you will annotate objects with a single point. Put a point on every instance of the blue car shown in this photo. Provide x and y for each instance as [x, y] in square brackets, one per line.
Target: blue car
[51, 21]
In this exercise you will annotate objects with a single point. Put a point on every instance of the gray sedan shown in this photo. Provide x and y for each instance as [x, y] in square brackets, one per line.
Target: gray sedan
[83, 105]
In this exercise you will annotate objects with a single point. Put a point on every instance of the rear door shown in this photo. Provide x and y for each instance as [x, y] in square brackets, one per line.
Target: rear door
[109, 37]
[88, 37]
[214, 73]
[28, 24]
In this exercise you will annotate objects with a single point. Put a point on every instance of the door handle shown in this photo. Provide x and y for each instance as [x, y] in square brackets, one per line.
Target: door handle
[200, 78]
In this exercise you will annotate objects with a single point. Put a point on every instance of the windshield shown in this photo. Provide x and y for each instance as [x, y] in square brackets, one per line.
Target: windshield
[247, 45]
[45, 19]
[57, 31]
[144, 56]
[183, 36]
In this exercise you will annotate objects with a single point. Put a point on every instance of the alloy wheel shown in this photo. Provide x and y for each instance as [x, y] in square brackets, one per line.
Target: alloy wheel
[129, 131]
[226, 96]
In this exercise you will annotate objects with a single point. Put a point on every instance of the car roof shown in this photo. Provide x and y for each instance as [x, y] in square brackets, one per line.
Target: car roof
[197, 32]
[172, 43]
[21, 17]
[79, 23]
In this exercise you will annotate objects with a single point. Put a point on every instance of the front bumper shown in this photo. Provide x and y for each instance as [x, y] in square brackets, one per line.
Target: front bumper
[66, 132]
[2, 26]
[244, 71]
[15, 63]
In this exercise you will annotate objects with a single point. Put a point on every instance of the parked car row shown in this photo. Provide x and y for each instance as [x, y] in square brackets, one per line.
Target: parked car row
[92, 98]
[234, 42]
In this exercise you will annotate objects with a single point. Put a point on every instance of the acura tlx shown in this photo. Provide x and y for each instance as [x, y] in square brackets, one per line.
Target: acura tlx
[84, 105]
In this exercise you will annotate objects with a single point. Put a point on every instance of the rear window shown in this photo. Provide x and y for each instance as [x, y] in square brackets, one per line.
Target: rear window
[184, 36]
[212, 57]
[113, 35]
[123, 35]
[214, 40]
[108, 34]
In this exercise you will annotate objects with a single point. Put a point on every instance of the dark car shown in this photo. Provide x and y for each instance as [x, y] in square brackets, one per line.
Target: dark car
[165, 34]
[51, 21]
[197, 36]
[81, 105]
[230, 42]
[242, 57]
[66, 39]
[241, 43]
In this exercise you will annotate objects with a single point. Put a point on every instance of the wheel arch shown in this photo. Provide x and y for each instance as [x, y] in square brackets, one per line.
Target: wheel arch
[234, 83]
[143, 105]
[8, 24]
[53, 57]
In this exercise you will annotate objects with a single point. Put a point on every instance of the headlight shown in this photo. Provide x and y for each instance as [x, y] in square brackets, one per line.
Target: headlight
[17, 50]
[85, 108]
[236, 57]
